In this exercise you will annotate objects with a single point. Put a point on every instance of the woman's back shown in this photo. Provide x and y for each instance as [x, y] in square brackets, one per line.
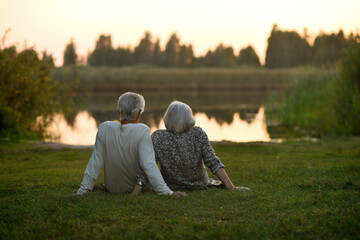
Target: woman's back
[181, 157]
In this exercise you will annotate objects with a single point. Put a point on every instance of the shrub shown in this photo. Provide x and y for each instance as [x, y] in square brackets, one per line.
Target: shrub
[27, 91]
[347, 92]
[327, 106]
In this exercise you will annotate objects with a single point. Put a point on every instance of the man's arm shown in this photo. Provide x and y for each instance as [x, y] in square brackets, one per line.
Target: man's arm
[137, 189]
[93, 169]
[148, 164]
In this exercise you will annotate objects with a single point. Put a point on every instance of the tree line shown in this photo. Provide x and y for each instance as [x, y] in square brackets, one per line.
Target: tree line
[289, 49]
[149, 52]
[285, 49]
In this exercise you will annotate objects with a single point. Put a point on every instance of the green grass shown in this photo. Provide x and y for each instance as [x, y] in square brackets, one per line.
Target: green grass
[300, 190]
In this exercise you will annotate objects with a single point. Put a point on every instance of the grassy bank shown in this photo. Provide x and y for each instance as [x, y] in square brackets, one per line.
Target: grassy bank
[300, 190]
[138, 78]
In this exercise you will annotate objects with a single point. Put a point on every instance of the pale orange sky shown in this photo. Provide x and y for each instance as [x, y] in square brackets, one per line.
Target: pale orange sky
[50, 24]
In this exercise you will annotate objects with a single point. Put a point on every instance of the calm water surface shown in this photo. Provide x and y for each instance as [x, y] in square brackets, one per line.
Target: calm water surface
[231, 115]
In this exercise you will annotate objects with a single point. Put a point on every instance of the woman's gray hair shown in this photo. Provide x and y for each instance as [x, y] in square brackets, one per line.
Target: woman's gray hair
[129, 105]
[178, 117]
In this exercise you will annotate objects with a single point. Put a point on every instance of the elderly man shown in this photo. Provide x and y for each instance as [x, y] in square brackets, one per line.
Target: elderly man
[121, 149]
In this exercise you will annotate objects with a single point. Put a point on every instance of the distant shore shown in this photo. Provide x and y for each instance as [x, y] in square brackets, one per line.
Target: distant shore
[188, 79]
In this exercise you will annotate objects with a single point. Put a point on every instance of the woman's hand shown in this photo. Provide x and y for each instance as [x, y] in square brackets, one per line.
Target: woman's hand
[242, 188]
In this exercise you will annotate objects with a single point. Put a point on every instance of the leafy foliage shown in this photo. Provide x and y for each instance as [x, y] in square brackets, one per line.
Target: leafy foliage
[47, 59]
[346, 92]
[27, 91]
[327, 106]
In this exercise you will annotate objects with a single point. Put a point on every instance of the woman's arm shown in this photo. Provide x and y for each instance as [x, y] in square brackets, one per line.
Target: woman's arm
[214, 163]
[224, 178]
[207, 152]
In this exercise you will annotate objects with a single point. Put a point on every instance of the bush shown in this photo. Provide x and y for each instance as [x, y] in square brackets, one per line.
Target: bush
[27, 91]
[327, 106]
[347, 92]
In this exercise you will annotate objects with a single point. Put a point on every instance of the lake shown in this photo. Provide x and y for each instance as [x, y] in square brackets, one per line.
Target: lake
[237, 116]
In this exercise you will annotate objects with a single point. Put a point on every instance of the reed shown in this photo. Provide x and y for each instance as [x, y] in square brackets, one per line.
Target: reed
[174, 79]
[326, 105]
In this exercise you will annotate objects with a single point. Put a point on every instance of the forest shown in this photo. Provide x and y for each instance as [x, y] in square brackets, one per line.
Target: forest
[285, 49]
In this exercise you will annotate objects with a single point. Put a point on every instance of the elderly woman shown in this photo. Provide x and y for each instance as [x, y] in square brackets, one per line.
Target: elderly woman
[182, 149]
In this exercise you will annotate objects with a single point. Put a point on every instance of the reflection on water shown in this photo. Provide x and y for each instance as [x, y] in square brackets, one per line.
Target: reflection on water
[83, 131]
[237, 131]
[221, 105]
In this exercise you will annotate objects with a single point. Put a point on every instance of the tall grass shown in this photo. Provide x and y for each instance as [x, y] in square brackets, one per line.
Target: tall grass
[301, 105]
[174, 79]
[326, 105]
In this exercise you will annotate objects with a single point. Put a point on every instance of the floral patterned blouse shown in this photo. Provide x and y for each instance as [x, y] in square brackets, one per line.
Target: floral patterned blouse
[181, 157]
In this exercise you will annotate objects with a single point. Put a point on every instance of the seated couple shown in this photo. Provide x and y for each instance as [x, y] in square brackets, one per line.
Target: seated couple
[128, 154]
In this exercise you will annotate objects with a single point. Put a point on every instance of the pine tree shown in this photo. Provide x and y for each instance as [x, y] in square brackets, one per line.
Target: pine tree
[70, 56]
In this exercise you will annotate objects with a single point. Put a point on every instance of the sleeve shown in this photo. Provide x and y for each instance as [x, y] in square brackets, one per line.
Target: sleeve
[141, 174]
[148, 164]
[208, 153]
[93, 168]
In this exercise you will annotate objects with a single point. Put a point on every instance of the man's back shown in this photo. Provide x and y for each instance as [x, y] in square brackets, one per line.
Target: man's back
[120, 146]
[121, 149]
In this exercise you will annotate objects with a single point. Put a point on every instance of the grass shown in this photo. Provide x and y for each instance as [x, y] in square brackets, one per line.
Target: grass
[300, 190]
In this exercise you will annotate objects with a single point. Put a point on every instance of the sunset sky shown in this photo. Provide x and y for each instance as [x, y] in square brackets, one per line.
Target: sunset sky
[50, 24]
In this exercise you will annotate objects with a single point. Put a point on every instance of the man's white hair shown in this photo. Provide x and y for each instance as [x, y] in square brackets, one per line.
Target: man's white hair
[129, 105]
[178, 117]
